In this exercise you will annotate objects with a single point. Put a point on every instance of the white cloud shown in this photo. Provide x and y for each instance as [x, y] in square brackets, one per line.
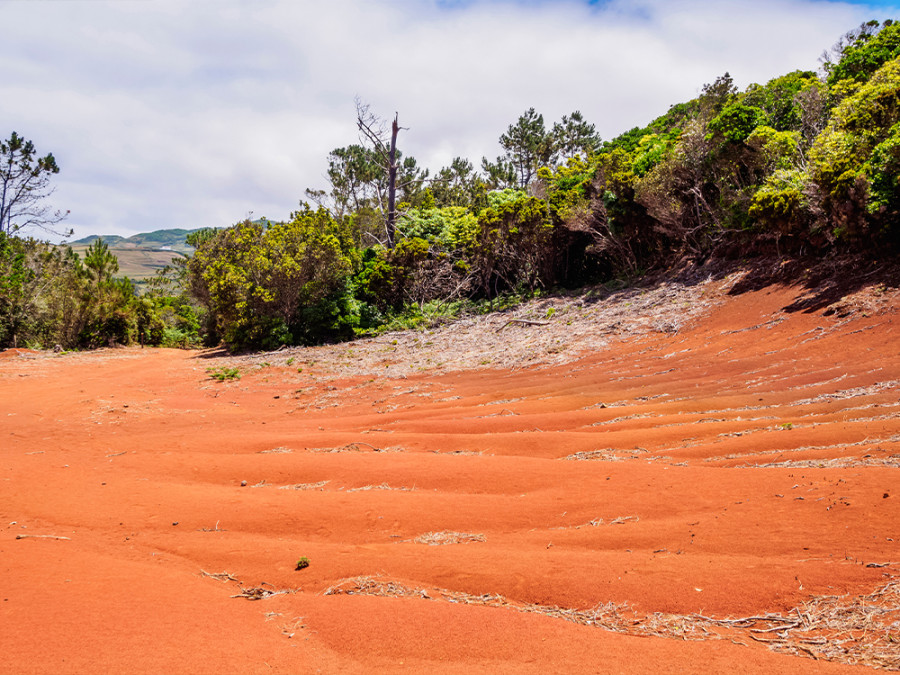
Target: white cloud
[184, 114]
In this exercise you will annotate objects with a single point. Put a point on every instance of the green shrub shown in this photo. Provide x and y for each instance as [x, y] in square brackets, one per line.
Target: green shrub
[780, 203]
[176, 338]
[222, 374]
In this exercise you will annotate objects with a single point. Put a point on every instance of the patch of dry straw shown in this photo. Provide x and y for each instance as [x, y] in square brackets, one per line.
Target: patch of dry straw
[862, 629]
[446, 537]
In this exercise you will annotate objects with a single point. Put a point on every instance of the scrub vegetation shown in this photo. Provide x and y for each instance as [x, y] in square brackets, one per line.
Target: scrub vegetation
[806, 164]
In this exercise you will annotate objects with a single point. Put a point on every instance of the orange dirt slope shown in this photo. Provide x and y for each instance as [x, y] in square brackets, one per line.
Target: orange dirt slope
[718, 495]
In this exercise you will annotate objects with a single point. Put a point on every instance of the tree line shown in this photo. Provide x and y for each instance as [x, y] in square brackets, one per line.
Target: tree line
[805, 164]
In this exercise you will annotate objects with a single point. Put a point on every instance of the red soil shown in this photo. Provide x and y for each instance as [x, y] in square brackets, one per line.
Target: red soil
[741, 466]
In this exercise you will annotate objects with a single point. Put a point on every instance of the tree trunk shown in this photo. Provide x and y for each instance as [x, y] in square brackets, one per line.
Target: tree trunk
[392, 183]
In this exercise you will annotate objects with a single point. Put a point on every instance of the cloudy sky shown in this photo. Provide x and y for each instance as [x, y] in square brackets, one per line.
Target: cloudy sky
[191, 113]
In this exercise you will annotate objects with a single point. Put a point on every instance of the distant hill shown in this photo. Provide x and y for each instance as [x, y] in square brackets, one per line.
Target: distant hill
[141, 255]
[159, 239]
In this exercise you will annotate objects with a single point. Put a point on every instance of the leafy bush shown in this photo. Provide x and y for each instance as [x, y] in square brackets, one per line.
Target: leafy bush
[512, 249]
[263, 285]
[176, 338]
[883, 168]
[780, 204]
[736, 122]
[852, 160]
[866, 50]
[777, 149]
[778, 99]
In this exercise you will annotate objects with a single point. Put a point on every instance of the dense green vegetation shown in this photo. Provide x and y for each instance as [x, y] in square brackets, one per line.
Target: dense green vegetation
[805, 164]
[51, 296]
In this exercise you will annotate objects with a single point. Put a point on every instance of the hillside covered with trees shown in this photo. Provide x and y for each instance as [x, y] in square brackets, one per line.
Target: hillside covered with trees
[807, 164]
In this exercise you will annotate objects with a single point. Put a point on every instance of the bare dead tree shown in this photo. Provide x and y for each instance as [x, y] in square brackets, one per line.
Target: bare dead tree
[374, 131]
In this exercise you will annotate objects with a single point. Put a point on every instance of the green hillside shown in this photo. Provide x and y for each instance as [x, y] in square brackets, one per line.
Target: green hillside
[160, 239]
[141, 255]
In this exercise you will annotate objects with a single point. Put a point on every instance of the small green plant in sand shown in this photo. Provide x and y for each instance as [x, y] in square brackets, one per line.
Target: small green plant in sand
[303, 563]
[222, 374]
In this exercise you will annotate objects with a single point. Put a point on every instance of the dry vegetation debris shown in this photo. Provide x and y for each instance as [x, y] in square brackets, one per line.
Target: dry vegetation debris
[860, 630]
[543, 332]
[445, 537]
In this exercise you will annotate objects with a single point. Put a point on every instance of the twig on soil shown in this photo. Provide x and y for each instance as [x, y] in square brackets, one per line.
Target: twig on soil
[764, 640]
[368, 444]
[382, 486]
[252, 593]
[526, 322]
[260, 593]
[41, 536]
[775, 629]
[305, 486]
[350, 447]
[220, 576]
[444, 538]
[608, 455]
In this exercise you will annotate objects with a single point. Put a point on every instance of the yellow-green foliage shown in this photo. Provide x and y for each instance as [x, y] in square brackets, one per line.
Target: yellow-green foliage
[568, 186]
[869, 47]
[859, 124]
[388, 274]
[736, 122]
[779, 149]
[780, 202]
[453, 227]
[513, 243]
[651, 150]
[778, 100]
[883, 167]
[258, 280]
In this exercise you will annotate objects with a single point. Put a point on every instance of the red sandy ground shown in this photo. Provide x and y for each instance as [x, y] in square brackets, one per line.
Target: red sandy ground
[121, 484]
